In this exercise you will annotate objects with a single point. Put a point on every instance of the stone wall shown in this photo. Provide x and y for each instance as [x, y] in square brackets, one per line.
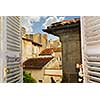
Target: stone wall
[26, 50]
[42, 39]
[71, 54]
[37, 74]
[54, 43]
[49, 71]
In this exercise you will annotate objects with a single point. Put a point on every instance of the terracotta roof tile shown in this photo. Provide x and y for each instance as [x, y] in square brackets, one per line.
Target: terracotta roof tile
[47, 51]
[36, 63]
[64, 22]
[57, 49]
[50, 51]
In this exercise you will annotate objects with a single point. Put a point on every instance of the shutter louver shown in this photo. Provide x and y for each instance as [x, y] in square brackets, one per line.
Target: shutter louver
[91, 44]
[14, 72]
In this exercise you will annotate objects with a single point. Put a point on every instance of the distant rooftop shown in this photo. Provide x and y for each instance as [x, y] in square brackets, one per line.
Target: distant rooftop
[36, 63]
[50, 51]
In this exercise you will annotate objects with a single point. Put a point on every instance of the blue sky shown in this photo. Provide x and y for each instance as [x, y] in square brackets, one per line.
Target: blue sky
[35, 24]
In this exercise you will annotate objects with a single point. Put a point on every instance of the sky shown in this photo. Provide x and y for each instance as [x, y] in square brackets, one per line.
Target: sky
[35, 24]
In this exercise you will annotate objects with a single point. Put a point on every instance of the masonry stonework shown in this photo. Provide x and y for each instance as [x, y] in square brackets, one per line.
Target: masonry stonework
[69, 33]
[71, 55]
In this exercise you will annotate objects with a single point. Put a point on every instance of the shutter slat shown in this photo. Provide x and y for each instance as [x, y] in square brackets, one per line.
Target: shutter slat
[91, 47]
[14, 73]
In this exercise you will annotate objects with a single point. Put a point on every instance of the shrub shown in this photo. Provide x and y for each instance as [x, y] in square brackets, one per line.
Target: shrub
[27, 78]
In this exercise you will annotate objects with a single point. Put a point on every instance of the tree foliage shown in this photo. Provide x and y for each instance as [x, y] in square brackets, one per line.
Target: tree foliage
[27, 78]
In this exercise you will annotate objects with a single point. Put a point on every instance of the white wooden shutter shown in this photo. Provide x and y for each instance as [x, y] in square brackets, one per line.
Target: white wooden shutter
[90, 36]
[13, 55]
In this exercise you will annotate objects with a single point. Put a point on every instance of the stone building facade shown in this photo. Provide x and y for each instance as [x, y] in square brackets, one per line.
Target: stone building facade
[42, 39]
[29, 47]
[54, 43]
[53, 52]
[69, 33]
[42, 69]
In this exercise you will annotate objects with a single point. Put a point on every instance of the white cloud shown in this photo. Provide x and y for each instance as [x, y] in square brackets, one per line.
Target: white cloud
[44, 16]
[26, 22]
[35, 18]
[51, 20]
[61, 18]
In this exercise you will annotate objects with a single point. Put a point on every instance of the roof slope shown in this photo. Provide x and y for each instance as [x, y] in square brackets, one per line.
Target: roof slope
[50, 51]
[36, 63]
[47, 51]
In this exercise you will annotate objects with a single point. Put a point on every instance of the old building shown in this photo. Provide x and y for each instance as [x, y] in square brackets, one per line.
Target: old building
[26, 49]
[29, 49]
[58, 55]
[42, 39]
[26, 35]
[54, 43]
[29, 36]
[54, 69]
[47, 52]
[52, 52]
[69, 33]
[37, 38]
[39, 67]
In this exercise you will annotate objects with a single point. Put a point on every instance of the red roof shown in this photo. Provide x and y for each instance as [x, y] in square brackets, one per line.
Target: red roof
[57, 49]
[50, 51]
[70, 21]
[36, 63]
[64, 22]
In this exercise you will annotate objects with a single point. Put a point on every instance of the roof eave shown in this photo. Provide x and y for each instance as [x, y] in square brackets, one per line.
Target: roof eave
[53, 30]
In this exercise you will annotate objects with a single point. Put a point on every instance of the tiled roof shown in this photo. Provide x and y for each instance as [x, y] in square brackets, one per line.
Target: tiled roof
[57, 49]
[50, 51]
[64, 22]
[47, 51]
[70, 21]
[63, 25]
[36, 63]
[35, 43]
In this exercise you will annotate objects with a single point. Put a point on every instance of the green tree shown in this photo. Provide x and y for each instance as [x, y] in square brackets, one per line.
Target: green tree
[27, 78]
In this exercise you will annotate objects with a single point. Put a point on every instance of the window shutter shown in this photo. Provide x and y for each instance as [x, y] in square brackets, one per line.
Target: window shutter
[13, 36]
[90, 34]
